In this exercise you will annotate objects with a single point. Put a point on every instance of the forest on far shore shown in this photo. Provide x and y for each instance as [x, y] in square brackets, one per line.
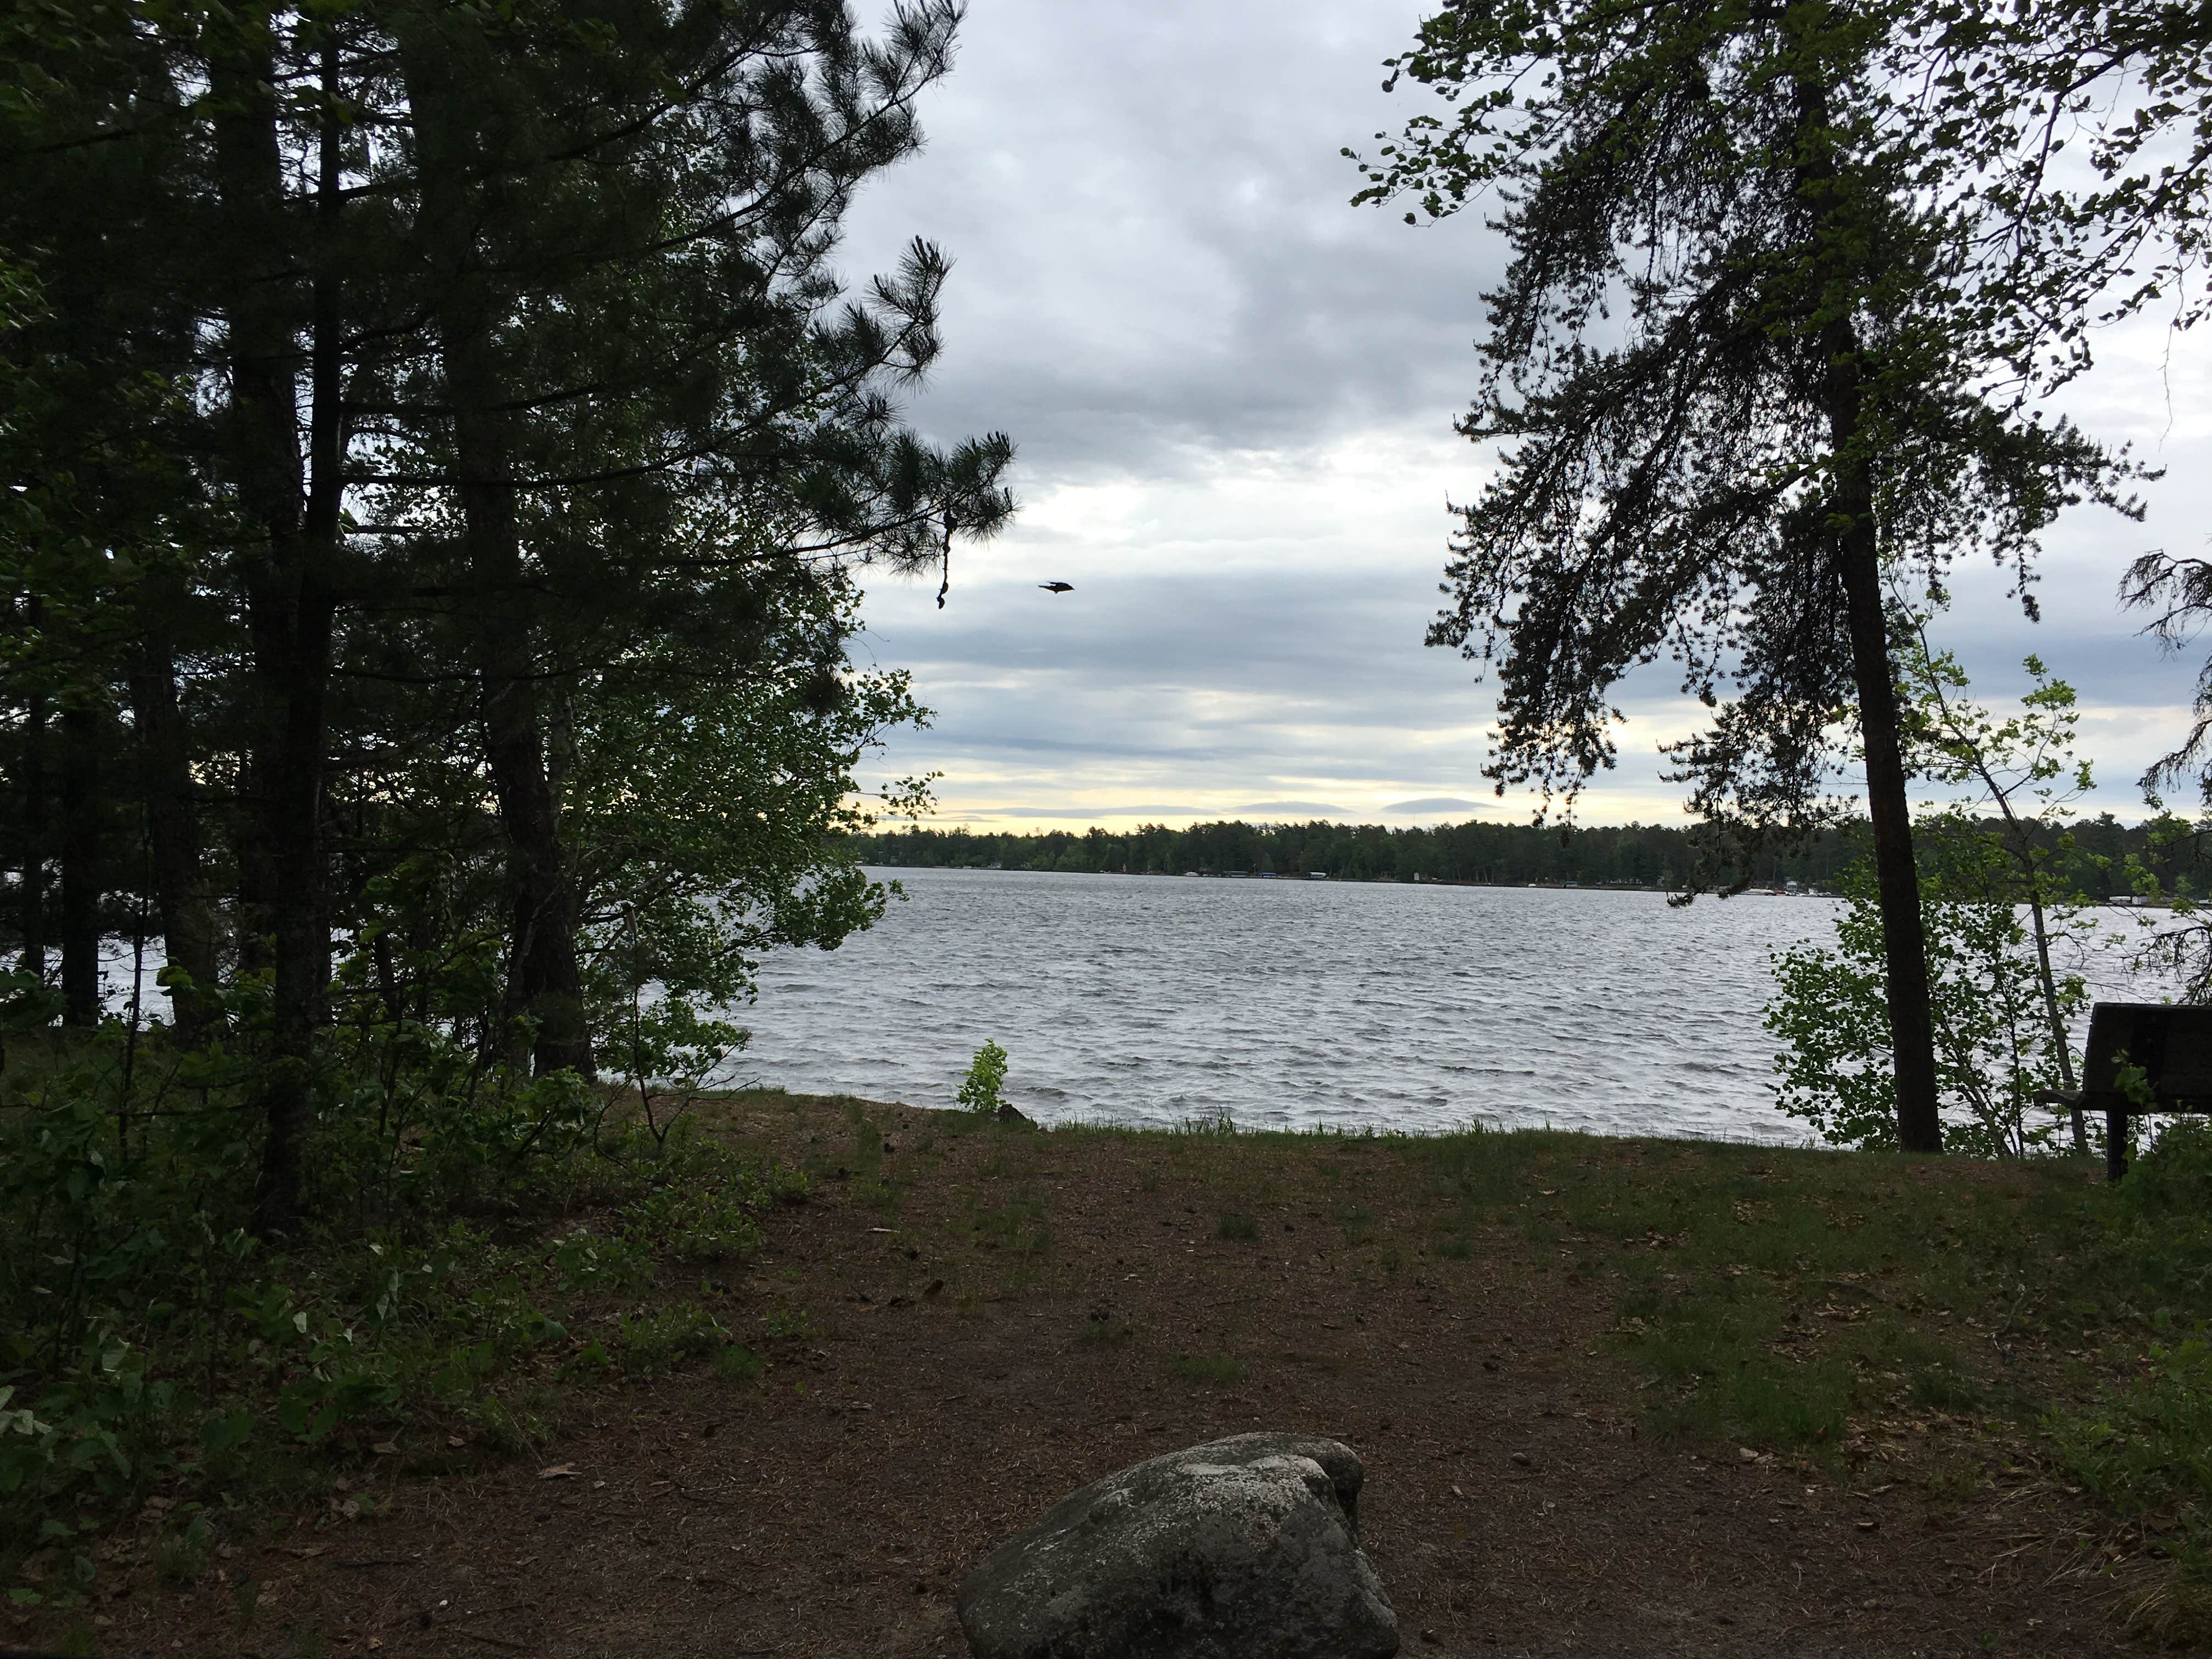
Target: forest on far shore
[1502, 855]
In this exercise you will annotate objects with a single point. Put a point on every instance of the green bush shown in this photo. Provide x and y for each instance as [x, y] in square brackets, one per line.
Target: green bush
[2173, 1179]
[147, 1337]
[981, 1091]
[2146, 1444]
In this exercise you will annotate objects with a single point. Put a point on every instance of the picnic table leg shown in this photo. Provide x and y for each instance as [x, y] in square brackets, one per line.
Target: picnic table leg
[2116, 1143]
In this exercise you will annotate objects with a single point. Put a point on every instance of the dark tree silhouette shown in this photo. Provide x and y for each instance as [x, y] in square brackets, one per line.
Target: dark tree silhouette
[1737, 383]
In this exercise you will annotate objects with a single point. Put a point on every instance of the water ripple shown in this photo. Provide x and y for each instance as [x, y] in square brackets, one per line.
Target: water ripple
[1149, 1000]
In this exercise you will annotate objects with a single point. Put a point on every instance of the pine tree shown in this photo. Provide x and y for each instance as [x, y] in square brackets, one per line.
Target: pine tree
[446, 390]
[1739, 385]
[625, 230]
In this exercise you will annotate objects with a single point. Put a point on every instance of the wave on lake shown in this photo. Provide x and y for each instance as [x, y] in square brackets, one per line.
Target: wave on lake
[1297, 1004]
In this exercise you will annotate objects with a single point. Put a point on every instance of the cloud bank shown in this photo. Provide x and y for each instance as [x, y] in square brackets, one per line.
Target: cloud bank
[1232, 393]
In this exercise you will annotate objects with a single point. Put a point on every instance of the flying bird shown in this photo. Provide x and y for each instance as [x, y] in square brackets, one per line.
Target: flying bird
[1057, 588]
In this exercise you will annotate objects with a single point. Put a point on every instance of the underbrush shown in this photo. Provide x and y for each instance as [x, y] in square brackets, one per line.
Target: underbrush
[476, 1243]
[2144, 1445]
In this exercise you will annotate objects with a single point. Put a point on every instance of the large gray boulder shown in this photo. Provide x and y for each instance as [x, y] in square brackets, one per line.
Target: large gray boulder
[1246, 1548]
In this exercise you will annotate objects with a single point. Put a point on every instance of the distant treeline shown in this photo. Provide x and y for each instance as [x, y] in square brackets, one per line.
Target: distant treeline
[1510, 854]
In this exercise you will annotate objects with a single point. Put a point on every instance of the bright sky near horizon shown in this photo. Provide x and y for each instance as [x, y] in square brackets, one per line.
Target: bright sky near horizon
[1233, 394]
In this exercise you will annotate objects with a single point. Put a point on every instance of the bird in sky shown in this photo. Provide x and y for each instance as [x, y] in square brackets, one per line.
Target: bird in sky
[1057, 588]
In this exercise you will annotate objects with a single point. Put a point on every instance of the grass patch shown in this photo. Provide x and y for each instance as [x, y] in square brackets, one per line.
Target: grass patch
[1885, 1316]
[1211, 1368]
[1891, 1318]
[1355, 1221]
[735, 1363]
[789, 1324]
[1016, 1224]
[654, 1343]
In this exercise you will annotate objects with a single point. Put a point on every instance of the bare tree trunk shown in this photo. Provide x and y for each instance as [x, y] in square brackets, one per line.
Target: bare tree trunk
[1856, 553]
[31, 779]
[1897, 878]
[81, 866]
[544, 979]
[172, 832]
[544, 976]
[288, 596]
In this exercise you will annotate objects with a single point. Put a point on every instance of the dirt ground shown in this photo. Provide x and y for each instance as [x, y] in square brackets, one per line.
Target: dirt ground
[959, 1329]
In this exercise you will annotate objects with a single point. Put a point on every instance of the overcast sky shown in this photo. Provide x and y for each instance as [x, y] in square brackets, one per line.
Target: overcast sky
[1232, 392]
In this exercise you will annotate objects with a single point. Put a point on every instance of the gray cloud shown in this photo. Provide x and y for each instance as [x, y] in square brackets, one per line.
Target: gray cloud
[1156, 264]
[1233, 394]
[1148, 810]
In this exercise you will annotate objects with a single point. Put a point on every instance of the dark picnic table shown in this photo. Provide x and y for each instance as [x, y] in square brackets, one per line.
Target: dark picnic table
[2171, 1045]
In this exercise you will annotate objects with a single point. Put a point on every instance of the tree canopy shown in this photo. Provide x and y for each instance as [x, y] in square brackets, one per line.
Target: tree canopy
[1745, 389]
[443, 449]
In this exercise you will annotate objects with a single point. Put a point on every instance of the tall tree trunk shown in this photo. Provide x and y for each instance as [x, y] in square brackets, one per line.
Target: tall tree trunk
[544, 979]
[544, 976]
[81, 866]
[172, 832]
[1897, 876]
[31, 779]
[1856, 553]
[288, 596]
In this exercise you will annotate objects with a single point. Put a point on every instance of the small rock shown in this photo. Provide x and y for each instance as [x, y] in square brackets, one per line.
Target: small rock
[1243, 1545]
[1007, 1114]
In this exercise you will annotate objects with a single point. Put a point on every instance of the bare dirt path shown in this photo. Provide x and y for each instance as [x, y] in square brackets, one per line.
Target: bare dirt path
[971, 1326]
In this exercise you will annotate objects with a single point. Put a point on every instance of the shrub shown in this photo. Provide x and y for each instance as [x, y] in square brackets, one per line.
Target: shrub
[981, 1091]
[146, 1336]
[2174, 1177]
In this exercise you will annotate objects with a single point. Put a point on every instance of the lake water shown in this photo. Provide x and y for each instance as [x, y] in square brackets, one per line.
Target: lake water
[1152, 999]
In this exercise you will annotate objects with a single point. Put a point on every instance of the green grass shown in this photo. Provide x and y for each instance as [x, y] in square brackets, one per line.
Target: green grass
[1794, 1301]
[1786, 1298]
[735, 1363]
[1211, 1369]
[1016, 1224]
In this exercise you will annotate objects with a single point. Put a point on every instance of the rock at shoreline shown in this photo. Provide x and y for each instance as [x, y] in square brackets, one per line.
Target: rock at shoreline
[1244, 1548]
[1007, 1114]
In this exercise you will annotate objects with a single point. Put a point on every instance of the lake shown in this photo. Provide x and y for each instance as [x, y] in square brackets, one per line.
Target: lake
[1293, 1004]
